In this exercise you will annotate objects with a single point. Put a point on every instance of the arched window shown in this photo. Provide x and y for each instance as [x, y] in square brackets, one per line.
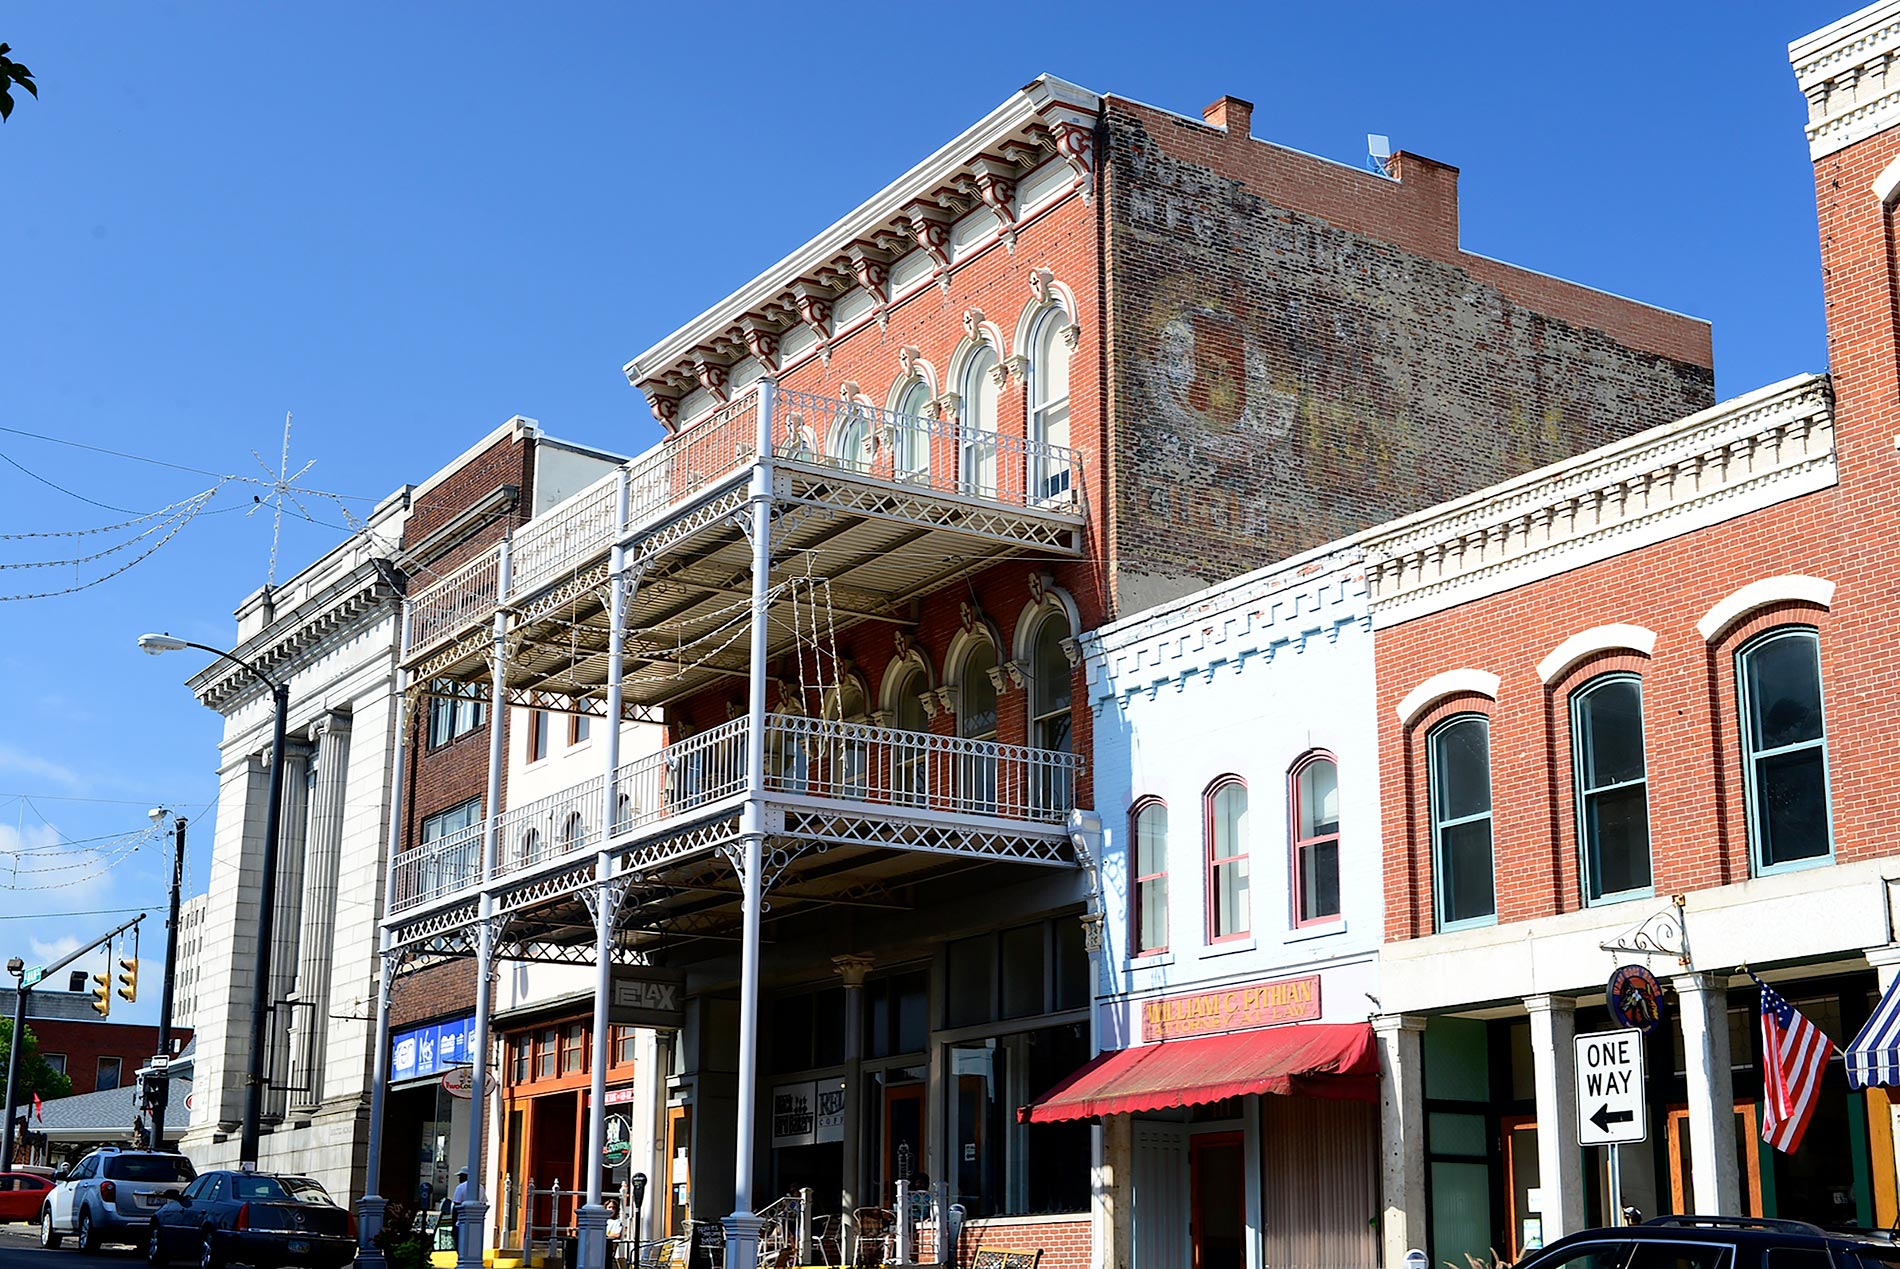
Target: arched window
[1315, 820]
[977, 435]
[976, 720]
[1050, 720]
[910, 440]
[530, 847]
[851, 437]
[1784, 748]
[1606, 730]
[1229, 906]
[847, 756]
[1049, 405]
[573, 832]
[909, 768]
[1148, 862]
[1459, 759]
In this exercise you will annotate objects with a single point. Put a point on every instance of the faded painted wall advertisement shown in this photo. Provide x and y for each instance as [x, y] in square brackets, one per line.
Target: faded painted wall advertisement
[1242, 1008]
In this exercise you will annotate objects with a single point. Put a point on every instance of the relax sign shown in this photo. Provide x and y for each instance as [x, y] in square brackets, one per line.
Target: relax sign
[1240, 1008]
[642, 996]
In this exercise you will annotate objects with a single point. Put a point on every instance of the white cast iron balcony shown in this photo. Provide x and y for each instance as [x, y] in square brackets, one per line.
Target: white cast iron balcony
[809, 761]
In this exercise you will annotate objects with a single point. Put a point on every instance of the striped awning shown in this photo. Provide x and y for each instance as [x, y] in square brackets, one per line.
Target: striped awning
[1873, 1059]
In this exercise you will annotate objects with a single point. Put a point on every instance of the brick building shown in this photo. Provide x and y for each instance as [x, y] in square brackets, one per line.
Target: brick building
[1086, 357]
[1636, 707]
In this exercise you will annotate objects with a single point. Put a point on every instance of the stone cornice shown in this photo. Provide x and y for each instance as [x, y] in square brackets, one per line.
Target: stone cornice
[370, 590]
[1286, 606]
[1766, 447]
[1049, 118]
[1849, 71]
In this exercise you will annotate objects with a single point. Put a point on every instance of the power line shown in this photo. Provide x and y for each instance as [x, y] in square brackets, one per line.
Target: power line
[159, 462]
[54, 916]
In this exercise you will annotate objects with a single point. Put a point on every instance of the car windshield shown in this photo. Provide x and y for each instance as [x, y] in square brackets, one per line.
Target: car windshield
[149, 1167]
[280, 1189]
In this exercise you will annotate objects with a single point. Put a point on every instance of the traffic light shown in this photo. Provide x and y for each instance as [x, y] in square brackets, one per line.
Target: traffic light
[101, 995]
[129, 979]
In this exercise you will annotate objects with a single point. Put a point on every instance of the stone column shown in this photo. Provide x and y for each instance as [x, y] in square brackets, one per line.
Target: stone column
[287, 929]
[852, 969]
[323, 849]
[1886, 963]
[1402, 1133]
[1712, 1145]
[1559, 1157]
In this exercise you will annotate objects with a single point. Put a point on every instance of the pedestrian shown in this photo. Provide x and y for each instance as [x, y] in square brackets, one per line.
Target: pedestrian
[614, 1232]
[454, 1205]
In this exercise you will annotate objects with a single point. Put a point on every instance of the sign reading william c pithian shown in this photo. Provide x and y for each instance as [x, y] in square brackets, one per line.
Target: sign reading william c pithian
[1240, 1008]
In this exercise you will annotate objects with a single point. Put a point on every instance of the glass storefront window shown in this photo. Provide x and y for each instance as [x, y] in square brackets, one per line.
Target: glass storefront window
[1000, 1167]
[1024, 952]
[971, 981]
[544, 1056]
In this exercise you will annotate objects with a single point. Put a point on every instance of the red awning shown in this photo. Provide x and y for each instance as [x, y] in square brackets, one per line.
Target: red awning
[1307, 1059]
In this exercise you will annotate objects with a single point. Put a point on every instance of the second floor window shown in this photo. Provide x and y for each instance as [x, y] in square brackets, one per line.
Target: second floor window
[978, 434]
[447, 823]
[1050, 693]
[1049, 404]
[108, 1074]
[910, 432]
[455, 709]
[1150, 842]
[976, 720]
[1315, 839]
[1459, 759]
[1606, 725]
[1228, 907]
[1784, 748]
[537, 734]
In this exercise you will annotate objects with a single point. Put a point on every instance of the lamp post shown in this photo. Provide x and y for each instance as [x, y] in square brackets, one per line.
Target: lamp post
[160, 1093]
[156, 644]
[17, 968]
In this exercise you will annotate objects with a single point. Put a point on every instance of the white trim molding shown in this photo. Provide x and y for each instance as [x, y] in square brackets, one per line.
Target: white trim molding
[1849, 71]
[1791, 588]
[1443, 684]
[1612, 638]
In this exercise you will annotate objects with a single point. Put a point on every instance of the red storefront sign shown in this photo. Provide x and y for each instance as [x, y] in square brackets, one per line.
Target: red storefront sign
[1241, 1008]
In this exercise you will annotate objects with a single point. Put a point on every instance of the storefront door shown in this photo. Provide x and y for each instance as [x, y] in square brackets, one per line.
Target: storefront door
[1681, 1176]
[679, 1178]
[903, 1137]
[1218, 1167]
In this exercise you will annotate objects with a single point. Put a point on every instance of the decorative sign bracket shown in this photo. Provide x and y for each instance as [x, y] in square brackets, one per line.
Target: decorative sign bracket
[1664, 933]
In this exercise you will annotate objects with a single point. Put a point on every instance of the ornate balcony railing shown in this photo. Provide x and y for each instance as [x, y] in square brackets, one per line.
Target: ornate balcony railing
[856, 438]
[805, 757]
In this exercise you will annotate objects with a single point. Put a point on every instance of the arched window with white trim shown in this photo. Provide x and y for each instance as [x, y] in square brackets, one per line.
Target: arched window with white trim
[1784, 749]
[1315, 819]
[1459, 763]
[1051, 720]
[910, 432]
[1148, 869]
[847, 753]
[976, 721]
[1049, 406]
[910, 770]
[1606, 729]
[977, 434]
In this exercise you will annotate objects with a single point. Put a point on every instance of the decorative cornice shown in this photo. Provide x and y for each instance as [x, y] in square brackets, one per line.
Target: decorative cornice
[1766, 447]
[1049, 118]
[368, 591]
[1850, 73]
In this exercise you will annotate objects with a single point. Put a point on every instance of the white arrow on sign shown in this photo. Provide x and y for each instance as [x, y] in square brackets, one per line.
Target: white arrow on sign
[1612, 1106]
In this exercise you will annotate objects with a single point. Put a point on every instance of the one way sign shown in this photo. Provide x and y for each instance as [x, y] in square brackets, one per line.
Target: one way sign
[1611, 1106]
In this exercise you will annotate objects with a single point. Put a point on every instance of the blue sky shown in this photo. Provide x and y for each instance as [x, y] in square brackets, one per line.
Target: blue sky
[405, 223]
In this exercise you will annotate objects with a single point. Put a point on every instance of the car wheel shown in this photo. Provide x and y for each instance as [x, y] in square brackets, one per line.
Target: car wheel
[88, 1236]
[208, 1258]
[49, 1237]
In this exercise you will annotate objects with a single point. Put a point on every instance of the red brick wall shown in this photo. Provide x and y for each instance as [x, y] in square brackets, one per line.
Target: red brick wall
[1698, 829]
[84, 1043]
[1064, 1243]
[1301, 349]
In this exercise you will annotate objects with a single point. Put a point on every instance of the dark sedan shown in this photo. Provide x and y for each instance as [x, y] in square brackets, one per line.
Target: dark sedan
[262, 1219]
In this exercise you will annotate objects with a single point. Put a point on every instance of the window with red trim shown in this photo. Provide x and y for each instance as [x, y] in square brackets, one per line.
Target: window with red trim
[1315, 820]
[1148, 839]
[1229, 906]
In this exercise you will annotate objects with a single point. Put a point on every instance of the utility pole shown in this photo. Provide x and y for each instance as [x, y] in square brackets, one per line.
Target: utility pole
[19, 1020]
[158, 1092]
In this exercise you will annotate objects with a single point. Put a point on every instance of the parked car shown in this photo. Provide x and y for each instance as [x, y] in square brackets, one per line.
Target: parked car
[21, 1196]
[1719, 1242]
[256, 1218]
[110, 1195]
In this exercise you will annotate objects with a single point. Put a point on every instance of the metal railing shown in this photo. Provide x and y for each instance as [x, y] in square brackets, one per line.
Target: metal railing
[854, 437]
[435, 869]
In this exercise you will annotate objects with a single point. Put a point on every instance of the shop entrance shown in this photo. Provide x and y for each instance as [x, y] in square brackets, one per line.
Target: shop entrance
[1218, 1225]
[551, 1159]
[1682, 1175]
[679, 1173]
[903, 1137]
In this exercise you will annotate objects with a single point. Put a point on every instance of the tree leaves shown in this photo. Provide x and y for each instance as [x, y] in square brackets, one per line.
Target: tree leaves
[11, 74]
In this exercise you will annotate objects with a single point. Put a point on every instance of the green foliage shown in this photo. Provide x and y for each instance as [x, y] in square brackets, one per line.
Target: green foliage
[12, 73]
[403, 1240]
[35, 1075]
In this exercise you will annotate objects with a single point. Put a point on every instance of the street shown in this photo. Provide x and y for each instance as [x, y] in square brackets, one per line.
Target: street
[20, 1246]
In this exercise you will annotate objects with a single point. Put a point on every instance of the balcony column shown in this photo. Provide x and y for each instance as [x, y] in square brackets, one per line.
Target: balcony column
[591, 1222]
[1559, 1157]
[369, 1222]
[742, 1227]
[1714, 1166]
[471, 1224]
[852, 969]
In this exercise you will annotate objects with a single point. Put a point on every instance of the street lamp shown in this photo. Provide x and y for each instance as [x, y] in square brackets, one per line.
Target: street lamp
[267, 895]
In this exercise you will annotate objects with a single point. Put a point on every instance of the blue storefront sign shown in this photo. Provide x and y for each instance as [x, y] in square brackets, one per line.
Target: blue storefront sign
[419, 1052]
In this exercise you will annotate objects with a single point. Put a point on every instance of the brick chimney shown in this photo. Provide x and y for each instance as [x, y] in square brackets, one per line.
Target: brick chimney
[1231, 113]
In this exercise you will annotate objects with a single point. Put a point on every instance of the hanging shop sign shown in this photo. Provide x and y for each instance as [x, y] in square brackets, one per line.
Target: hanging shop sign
[643, 996]
[1635, 998]
[459, 1081]
[794, 1114]
[619, 1147]
[419, 1052]
[1241, 1008]
[830, 1110]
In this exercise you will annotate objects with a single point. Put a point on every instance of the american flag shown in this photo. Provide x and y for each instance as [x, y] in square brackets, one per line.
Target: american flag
[1794, 1055]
